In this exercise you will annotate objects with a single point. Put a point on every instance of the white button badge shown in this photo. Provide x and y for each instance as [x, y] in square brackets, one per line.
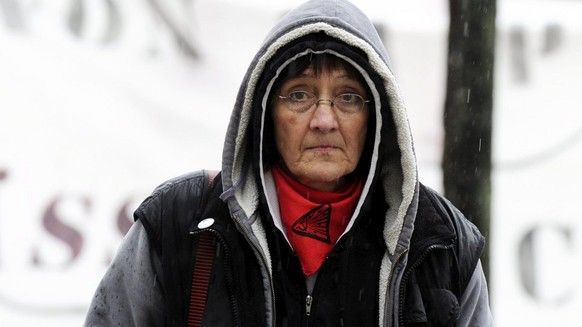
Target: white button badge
[206, 223]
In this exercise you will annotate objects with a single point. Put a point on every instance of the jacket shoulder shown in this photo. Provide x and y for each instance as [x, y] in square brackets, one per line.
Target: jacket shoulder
[173, 205]
[468, 240]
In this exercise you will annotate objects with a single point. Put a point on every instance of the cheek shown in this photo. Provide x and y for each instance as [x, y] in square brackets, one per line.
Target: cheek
[283, 132]
[361, 130]
[358, 145]
[280, 139]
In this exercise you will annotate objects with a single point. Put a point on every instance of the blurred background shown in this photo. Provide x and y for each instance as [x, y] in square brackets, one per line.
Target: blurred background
[102, 100]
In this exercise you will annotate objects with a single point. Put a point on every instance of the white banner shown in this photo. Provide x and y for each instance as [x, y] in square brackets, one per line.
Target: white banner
[101, 101]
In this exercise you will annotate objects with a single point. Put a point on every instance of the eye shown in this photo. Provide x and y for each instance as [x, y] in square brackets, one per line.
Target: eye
[299, 96]
[349, 98]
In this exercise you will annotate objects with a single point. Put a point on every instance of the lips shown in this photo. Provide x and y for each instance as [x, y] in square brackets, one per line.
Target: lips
[322, 147]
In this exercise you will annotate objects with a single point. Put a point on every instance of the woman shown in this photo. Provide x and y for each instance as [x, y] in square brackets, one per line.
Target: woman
[317, 216]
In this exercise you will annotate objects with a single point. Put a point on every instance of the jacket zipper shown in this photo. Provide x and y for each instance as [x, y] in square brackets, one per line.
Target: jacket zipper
[310, 298]
[226, 271]
[387, 306]
[308, 302]
[258, 251]
[407, 273]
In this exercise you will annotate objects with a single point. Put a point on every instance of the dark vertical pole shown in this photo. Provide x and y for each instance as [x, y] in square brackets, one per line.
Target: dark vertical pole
[468, 115]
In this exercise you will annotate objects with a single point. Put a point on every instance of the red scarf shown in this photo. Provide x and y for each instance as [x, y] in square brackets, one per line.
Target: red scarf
[314, 220]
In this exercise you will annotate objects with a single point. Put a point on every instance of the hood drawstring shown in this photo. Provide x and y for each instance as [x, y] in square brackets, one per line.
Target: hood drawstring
[229, 193]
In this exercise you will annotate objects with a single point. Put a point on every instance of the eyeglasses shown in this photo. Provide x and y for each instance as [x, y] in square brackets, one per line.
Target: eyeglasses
[302, 101]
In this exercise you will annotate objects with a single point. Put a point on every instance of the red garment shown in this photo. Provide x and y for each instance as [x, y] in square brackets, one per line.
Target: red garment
[314, 220]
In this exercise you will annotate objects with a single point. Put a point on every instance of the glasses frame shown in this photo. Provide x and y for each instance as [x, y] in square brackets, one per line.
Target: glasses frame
[316, 101]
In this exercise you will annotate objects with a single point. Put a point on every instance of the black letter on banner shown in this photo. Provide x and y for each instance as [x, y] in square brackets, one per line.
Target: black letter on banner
[67, 234]
[3, 175]
[124, 220]
[12, 14]
[182, 35]
[77, 19]
[529, 264]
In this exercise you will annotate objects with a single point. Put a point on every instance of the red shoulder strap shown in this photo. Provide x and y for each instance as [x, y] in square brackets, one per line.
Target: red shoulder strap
[201, 278]
[203, 261]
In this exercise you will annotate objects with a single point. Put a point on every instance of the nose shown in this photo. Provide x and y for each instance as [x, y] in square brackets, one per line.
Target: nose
[324, 117]
[330, 102]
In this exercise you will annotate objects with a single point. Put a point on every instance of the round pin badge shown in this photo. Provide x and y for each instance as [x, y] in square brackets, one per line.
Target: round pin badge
[205, 223]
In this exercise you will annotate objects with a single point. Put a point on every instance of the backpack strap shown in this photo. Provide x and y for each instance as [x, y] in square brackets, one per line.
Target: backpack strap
[203, 262]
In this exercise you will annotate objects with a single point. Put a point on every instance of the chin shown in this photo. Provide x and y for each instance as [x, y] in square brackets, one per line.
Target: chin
[328, 175]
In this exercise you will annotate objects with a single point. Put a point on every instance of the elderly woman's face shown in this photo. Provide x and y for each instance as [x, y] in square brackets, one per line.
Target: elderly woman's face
[322, 144]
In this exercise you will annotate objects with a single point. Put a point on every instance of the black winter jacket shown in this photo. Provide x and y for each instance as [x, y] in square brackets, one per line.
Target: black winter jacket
[445, 249]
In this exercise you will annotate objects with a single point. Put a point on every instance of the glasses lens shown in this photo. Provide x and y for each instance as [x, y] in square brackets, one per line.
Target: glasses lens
[300, 100]
[349, 102]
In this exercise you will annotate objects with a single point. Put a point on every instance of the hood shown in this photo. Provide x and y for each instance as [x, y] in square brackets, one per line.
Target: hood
[339, 28]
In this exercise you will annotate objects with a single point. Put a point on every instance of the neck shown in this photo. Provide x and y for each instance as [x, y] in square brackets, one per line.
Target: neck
[323, 186]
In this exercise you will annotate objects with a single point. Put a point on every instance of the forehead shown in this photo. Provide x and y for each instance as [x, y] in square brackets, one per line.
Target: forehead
[336, 78]
[309, 68]
[327, 72]
[317, 63]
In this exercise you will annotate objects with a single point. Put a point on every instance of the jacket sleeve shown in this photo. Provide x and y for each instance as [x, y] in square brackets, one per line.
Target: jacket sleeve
[129, 293]
[475, 310]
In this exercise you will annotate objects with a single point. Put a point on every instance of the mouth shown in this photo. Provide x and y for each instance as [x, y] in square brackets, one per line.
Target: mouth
[322, 148]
